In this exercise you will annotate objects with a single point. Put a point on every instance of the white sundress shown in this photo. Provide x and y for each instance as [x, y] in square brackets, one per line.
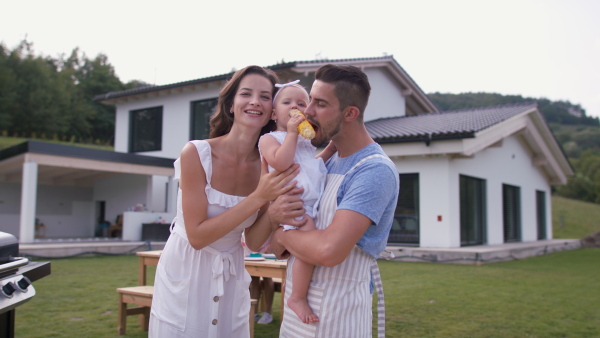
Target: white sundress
[202, 293]
[311, 176]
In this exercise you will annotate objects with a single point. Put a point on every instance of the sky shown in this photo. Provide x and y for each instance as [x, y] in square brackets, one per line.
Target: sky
[534, 48]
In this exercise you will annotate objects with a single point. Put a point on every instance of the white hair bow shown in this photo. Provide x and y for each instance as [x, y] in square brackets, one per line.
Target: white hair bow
[283, 85]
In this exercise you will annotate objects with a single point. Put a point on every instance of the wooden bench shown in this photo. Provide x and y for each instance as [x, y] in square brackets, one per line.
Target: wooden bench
[142, 296]
[137, 295]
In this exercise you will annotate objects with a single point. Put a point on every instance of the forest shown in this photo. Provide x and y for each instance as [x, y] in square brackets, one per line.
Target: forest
[51, 99]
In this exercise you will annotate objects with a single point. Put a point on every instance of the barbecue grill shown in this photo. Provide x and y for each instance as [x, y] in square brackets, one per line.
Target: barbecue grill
[16, 277]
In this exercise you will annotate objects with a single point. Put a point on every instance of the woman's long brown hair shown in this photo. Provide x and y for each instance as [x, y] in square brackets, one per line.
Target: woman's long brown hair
[222, 120]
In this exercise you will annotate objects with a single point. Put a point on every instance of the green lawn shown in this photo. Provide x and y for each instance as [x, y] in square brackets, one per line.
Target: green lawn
[547, 296]
[557, 295]
[574, 219]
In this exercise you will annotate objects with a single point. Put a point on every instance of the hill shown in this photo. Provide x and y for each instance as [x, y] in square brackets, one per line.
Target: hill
[574, 219]
[561, 112]
[577, 134]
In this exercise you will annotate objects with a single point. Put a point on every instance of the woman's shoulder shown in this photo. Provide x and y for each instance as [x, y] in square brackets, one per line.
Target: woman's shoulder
[198, 146]
[198, 149]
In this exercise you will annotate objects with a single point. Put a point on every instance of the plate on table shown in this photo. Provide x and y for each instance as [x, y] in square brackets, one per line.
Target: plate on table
[254, 258]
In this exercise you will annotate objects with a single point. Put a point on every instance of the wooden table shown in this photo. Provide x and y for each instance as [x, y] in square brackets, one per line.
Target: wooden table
[147, 258]
[267, 268]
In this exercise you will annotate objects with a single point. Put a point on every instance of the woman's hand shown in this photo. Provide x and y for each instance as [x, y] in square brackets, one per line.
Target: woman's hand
[276, 183]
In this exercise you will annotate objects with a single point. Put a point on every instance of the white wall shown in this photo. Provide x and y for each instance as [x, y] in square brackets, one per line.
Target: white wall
[158, 193]
[70, 211]
[64, 210]
[434, 199]
[386, 99]
[10, 207]
[132, 223]
[176, 120]
[509, 164]
[440, 191]
[121, 193]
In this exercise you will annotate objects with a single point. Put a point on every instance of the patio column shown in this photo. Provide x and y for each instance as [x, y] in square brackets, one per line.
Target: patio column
[172, 188]
[28, 202]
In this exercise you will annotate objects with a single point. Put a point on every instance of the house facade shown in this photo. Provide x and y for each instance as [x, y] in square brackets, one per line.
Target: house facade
[470, 177]
[473, 177]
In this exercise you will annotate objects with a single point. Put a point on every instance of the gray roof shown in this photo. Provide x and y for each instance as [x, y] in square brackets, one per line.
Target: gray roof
[455, 124]
[276, 67]
[284, 65]
[49, 148]
[153, 88]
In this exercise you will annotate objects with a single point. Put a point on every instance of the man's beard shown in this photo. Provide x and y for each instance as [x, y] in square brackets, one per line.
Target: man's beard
[326, 132]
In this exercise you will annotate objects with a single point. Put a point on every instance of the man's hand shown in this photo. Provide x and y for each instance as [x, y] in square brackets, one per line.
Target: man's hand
[286, 208]
[275, 246]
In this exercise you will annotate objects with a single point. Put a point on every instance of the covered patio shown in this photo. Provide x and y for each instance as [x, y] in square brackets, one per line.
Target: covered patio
[68, 181]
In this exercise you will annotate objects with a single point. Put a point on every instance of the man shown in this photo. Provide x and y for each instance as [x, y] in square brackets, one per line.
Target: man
[355, 212]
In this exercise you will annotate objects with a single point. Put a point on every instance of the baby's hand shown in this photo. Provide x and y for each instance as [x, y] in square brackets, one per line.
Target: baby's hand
[293, 122]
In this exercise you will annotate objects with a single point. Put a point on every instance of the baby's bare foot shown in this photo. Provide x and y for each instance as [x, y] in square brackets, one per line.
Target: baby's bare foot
[302, 309]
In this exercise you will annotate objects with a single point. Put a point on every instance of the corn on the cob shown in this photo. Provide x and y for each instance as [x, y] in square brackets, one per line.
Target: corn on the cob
[304, 128]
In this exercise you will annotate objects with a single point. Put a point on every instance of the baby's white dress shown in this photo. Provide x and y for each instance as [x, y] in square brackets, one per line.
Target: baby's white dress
[312, 173]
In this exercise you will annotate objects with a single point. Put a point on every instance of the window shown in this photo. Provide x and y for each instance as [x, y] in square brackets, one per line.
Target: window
[473, 215]
[405, 228]
[511, 197]
[540, 200]
[145, 132]
[200, 113]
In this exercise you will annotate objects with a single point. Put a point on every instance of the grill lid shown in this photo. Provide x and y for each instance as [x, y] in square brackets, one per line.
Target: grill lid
[9, 245]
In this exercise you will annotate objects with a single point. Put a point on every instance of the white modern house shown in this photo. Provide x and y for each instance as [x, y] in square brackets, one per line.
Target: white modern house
[470, 177]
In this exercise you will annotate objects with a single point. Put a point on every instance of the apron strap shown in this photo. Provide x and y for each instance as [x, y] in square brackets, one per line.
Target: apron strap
[366, 159]
[375, 268]
[380, 300]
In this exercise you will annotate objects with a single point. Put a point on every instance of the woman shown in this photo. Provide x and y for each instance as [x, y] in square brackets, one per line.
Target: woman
[201, 285]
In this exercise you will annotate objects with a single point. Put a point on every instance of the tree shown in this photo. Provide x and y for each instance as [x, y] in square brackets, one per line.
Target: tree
[38, 97]
[46, 96]
[96, 77]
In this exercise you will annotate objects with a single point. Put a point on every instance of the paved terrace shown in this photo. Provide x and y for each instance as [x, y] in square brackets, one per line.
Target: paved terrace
[481, 254]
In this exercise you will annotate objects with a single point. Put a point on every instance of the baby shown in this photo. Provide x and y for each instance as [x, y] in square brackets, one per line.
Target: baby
[283, 147]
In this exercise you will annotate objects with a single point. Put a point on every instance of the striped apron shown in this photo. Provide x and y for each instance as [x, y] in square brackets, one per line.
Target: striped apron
[339, 295]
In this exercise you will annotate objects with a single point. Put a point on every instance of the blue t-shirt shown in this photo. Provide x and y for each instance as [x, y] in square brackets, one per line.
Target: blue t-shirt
[372, 190]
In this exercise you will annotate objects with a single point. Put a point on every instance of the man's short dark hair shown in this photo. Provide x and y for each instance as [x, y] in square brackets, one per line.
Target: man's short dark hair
[352, 86]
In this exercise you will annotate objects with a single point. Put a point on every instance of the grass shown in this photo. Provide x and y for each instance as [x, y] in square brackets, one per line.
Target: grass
[574, 219]
[546, 296]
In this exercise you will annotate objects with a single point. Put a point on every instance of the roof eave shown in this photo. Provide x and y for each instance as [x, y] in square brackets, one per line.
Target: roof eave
[387, 62]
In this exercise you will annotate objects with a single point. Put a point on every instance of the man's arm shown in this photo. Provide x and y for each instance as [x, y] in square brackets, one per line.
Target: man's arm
[327, 247]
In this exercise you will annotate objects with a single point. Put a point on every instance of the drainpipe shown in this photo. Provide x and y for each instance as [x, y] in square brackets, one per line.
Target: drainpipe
[428, 140]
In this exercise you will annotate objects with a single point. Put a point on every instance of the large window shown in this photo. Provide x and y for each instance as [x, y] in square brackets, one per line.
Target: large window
[405, 228]
[200, 113]
[511, 197]
[145, 132]
[540, 200]
[473, 216]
